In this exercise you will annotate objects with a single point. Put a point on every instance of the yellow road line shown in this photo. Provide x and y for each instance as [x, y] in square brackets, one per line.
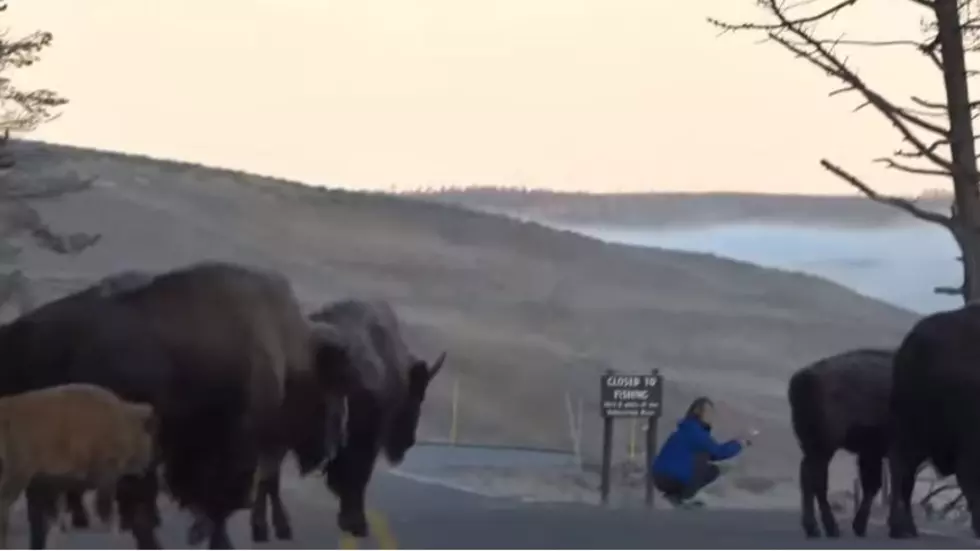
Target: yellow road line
[347, 541]
[380, 530]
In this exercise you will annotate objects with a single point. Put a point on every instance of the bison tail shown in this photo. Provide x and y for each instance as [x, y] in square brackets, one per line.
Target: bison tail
[806, 410]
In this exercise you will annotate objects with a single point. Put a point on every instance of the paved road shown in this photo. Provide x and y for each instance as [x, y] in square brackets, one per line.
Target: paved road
[409, 514]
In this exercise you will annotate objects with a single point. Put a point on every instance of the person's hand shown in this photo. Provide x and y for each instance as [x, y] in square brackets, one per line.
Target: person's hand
[747, 439]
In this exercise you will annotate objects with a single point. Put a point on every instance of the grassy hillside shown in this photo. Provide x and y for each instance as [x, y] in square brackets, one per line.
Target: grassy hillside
[526, 313]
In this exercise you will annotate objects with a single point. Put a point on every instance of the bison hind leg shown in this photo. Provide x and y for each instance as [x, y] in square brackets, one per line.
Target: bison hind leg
[813, 482]
[280, 519]
[808, 515]
[199, 530]
[259, 521]
[869, 469]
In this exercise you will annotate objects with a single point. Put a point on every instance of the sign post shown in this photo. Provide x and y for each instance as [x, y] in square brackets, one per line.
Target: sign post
[652, 442]
[607, 446]
[630, 396]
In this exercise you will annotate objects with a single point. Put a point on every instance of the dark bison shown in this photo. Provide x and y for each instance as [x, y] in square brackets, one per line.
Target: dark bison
[841, 402]
[383, 404]
[935, 404]
[216, 348]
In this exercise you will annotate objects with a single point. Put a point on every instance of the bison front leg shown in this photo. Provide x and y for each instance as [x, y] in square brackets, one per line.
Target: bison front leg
[266, 491]
[219, 533]
[79, 516]
[903, 462]
[40, 503]
[258, 520]
[136, 496]
[10, 489]
[348, 476]
[968, 478]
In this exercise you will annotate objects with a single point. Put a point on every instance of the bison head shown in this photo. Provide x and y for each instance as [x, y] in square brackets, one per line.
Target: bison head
[401, 434]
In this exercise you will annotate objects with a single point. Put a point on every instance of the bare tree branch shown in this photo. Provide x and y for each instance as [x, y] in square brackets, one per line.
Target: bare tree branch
[891, 163]
[946, 290]
[931, 148]
[897, 202]
[821, 56]
[827, 13]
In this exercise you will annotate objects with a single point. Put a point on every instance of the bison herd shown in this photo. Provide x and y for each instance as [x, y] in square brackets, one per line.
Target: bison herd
[199, 381]
[918, 403]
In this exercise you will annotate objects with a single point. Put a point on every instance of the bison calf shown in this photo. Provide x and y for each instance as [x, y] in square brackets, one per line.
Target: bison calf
[66, 436]
[841, 402]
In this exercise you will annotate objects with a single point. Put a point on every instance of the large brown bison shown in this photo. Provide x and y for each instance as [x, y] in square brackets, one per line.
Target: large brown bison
[384, 399]
[935, 404]
[215, 348]
[841, 402]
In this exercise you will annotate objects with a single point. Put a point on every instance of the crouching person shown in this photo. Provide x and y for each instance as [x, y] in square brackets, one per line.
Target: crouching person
[73, 437]
[685, 463]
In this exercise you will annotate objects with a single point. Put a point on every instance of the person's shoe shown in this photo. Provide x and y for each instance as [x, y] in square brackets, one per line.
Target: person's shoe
[674, 500]
[693, 504]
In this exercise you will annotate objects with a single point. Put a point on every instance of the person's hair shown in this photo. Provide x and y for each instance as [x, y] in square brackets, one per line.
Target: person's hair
[697, 406]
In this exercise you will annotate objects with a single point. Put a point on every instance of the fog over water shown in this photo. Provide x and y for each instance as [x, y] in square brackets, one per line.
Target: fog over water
[900, 264]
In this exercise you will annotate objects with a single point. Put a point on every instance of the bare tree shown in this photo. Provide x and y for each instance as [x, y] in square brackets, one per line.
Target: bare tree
[22, 111]
[938, 135]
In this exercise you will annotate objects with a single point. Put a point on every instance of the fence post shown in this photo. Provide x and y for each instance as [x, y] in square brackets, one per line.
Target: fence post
[631, 450]
[574, 429]
[454, 423]
[607, 440]
[651, 444]
[581, 428]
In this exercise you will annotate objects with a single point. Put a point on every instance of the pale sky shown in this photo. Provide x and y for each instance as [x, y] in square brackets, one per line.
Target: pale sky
[600, 95]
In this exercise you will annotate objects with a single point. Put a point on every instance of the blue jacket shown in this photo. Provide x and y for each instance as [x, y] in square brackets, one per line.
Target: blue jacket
[676, 458]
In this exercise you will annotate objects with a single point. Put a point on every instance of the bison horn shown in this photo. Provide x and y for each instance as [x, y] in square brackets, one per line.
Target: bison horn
[437, 365]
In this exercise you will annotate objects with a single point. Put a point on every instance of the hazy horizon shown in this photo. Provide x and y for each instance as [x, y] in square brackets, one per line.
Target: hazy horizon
[899, 264]
[568, 95]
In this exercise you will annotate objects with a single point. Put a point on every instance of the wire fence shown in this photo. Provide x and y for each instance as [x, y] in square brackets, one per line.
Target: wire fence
[568, 422]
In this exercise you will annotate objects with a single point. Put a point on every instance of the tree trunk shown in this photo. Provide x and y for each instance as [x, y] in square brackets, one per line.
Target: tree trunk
[970, 247]
[966, 214]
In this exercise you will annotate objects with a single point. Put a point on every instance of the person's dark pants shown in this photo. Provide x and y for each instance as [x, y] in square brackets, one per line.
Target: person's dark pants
[704, 472]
